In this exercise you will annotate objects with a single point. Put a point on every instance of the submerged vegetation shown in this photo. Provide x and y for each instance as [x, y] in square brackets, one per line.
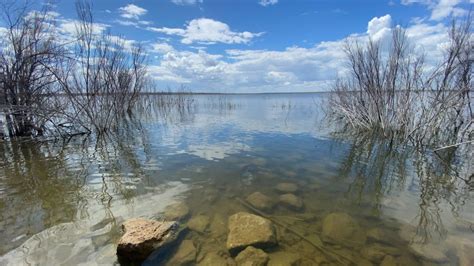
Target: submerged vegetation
[394, 92]
[69, 85]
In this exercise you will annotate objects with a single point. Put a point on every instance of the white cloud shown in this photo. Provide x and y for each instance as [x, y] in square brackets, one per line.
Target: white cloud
[186, 2]
[161, 48]
[67, 27]
[208, 31]
[292, 69]
[441, 9]
[132, 11]
[379, 27]
[268, 2]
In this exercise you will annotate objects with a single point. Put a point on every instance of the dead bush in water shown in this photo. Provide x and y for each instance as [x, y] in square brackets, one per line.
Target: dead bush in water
[103, 79]
[67, 84]
[397, 95]
[27, 47]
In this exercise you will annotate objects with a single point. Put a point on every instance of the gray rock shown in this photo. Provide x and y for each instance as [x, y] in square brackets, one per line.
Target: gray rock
[283, 258]
[260, 201]
[252, 257]
[341, 228]
[185, 255]
[408, 233]
[142, 237]
[287, 187]
[199, 223]
[429, 252]
[291, 201]
[247, 229]
[463, 248]
[176, 212]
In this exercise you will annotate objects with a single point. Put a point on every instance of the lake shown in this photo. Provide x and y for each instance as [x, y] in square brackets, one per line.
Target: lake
[273, 155]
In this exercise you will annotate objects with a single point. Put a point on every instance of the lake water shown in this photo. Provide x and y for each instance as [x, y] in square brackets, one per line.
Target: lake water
[62, 203]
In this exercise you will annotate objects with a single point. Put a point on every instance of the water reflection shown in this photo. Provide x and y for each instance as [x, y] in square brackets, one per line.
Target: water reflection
[70, 198]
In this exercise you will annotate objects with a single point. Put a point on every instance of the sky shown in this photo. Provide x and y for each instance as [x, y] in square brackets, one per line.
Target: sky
[252, 46]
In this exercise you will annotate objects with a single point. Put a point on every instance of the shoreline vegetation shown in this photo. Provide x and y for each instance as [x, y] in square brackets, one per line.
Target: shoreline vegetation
[74, 71]
[88, 82]
[391, 90]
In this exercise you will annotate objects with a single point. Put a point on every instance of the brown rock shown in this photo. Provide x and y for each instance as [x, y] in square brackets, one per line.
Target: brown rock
[376, 252]
[389, 261]
[343, 229]
[291, 201]
[283, 258]
[252, 257]
[381, 235]
[214, 259]
[287, 187]
[247, 229]
[143, 236]
[199, 223]
[260, 201]
[185, 255]
[176, 212]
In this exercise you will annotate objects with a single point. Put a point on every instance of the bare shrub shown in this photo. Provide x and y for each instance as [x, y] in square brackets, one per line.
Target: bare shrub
[396, 95]
[101, 79]
[28, 46]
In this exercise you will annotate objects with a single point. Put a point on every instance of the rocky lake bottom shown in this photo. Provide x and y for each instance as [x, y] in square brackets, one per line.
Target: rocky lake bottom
[251, 180]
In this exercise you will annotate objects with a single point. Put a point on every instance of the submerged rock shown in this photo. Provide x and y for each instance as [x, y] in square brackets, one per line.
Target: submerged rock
[291, 201]
[376, 252]
[408, 233]
[213, 258]
[287, 187]
[429, 252]
[283, 258]
[199, 223]
[381, 235]
[247, 229]
[343, 229]
[176, 212]
[185, 255]
[142, 237]
[463, 249]
[260, 201]
[252, 257]
[218, 227]
[403, 260]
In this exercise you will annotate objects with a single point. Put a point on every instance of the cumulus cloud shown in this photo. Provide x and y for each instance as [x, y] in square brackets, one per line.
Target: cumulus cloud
[379, 27]
[441, 9]
[267, 2]
[208, 31]
[292, 69]
[132, 11]
[186, 2]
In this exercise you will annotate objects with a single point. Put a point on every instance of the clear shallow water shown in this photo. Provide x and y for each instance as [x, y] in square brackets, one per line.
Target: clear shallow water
[63, 203]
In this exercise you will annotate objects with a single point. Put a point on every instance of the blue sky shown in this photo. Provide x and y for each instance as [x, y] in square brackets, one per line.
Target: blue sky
[262, 45]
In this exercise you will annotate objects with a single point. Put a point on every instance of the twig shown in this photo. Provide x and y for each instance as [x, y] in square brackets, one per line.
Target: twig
[453, 145]
[333, 255]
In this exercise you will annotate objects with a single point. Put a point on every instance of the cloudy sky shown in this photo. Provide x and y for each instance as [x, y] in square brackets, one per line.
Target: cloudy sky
[262, 45]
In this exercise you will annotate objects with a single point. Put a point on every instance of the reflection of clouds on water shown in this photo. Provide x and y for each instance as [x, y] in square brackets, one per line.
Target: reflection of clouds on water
[217, 151]
[213, 133]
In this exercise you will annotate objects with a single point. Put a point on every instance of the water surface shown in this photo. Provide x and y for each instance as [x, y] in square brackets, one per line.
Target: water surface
[63, 202]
